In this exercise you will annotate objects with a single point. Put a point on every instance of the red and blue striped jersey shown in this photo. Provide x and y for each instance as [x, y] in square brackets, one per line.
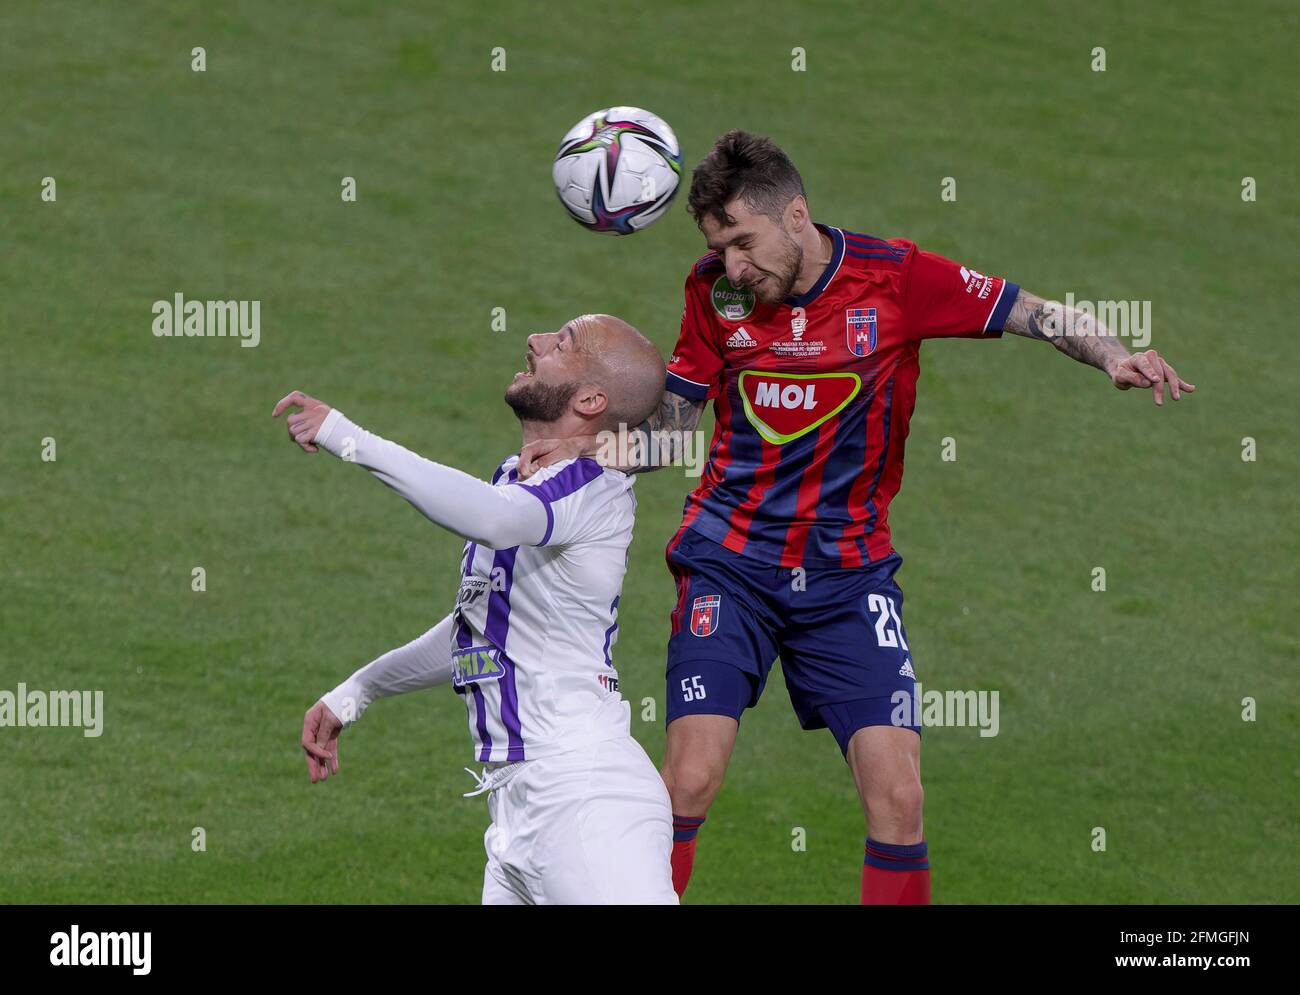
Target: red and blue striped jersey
[813, 396]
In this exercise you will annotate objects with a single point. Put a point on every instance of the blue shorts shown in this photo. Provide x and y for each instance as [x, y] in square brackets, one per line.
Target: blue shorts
[839, 634]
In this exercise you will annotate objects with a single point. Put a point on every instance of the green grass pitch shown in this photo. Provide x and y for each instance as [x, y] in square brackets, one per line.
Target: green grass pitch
[1120, 709]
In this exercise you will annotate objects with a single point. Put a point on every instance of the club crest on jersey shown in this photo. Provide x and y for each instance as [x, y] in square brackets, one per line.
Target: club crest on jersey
[704, 614]
[732, 303]
[475, 664]
[784, 406]
[860, 327]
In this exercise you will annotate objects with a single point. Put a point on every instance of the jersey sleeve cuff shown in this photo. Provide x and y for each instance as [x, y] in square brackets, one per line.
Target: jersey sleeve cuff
[687, 388]
[347, 701]
[1002, 308]
[327, 428]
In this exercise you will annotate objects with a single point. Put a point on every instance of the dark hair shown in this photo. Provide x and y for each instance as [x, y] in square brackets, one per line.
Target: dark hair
[748, 166]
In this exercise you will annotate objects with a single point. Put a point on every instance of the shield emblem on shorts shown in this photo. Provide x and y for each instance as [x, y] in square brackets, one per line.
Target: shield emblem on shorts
[704, 614]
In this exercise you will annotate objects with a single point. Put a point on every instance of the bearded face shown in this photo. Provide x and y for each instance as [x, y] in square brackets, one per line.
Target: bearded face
[758, 251]
[535, 401]
[777, 281]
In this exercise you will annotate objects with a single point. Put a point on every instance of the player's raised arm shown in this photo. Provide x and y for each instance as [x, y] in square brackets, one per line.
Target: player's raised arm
[1081, 336]
[424, 662]
[497, 517]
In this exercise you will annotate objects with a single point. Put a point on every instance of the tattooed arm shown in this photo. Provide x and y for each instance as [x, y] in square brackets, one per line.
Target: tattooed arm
[1081, 336]
[656, 442]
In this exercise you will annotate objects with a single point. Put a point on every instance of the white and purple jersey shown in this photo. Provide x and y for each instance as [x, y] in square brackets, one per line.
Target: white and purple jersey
[534, 626]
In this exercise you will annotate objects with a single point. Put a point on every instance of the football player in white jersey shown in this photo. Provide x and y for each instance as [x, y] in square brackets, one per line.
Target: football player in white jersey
[579, 812]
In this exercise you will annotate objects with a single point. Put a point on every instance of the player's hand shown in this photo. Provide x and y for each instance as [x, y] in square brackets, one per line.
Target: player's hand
[544, 452]
[303, 425]
[1148, 369]
[320, 741]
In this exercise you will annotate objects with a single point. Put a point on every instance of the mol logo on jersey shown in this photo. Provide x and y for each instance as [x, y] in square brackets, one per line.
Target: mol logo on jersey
[784, 406]
[474, 664]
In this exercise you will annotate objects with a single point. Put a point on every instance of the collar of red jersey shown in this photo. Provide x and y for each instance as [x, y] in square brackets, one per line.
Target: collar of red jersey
[828, 274]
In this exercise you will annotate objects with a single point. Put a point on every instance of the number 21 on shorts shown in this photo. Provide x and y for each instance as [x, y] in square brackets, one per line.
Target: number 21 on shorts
[886, 612]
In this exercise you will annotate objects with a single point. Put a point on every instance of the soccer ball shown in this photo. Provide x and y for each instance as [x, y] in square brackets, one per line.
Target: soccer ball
[617, 170]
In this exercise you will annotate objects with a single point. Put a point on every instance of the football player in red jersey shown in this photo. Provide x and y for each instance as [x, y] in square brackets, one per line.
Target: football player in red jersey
[806, 338]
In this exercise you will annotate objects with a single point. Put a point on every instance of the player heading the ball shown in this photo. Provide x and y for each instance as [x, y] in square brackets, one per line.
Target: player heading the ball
[579, 813]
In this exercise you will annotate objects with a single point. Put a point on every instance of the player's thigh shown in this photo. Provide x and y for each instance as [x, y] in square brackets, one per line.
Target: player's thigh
[615, 845]
[886, 765]
[498, 889]
[885, 760]
[846, 660]
[722, 625]
[697, 750]
[500, 885]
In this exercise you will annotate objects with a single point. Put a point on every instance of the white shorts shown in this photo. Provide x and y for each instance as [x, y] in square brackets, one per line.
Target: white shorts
[589, 827]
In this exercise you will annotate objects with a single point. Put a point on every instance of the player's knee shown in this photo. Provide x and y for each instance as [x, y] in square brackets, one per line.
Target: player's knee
[900, 802]
[692, 785]
[909, 801]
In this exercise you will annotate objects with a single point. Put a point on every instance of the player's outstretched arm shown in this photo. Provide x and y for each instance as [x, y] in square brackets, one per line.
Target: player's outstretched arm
[1081, 336]
[496, 517]
[424, 662]
[658, 441]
